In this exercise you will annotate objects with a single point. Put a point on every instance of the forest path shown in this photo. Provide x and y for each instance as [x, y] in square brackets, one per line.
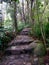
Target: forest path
[19, 50]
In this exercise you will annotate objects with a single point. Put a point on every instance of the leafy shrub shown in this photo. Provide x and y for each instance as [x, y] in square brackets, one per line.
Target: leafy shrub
[36, 30]
[11, 35]
[4, 42]
[20, 25]
[47, 42]
[47, 29]
[6, 38]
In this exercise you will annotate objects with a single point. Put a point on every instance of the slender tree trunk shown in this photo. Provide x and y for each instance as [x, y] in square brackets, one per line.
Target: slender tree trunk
[28, 19]
[15, 16]
[32, 13]
[1, 16]
[23, 14]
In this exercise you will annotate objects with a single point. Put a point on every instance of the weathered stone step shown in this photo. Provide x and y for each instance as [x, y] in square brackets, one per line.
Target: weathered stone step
[21, 40]
[18, 49]
[21, 49]
[25, 31]
[22, 59]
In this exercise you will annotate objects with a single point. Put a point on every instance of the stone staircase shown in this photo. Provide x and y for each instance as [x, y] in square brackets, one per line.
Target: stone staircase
[18, 51]
[19, 45]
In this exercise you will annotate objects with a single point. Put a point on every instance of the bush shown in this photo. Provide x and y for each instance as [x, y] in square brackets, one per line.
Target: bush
[20, 26]
[11, 35]
[46, 29]
[47, 42]
[36, 31]
[4, 42]
[5, 39]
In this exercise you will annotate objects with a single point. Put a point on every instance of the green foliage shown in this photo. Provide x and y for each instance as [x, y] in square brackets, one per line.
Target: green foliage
[17, 1]
[37, 30]
[11, 35]
[40, 50]
[8, 23]
[47, 29]
[47, 42]
[41, 15]
[4, 42]
[20, 25]
[5, 39]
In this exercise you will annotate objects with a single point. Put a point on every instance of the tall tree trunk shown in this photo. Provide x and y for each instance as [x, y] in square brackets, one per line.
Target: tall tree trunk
[32, 13]
[23, 14]
[28, 10]
[15, 16]
[1, 17]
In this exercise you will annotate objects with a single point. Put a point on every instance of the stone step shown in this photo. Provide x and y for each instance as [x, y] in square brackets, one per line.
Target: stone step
[22, 59]
[18, 49]
[25, 31]
[25, 42]
[21, 40]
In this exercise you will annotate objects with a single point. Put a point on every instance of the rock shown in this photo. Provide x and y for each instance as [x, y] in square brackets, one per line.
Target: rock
[37, 41]
[32, 45]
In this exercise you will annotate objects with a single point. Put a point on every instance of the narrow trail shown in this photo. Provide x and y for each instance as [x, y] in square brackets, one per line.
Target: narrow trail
[18, 51]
